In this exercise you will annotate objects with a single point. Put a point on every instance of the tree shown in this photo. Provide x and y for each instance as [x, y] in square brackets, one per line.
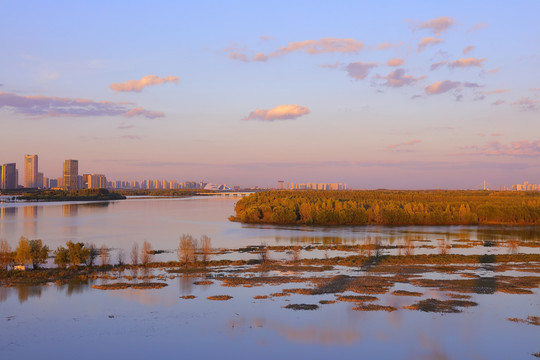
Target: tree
[186, 249]
[23, 254]
[206, 248]
[38, 252]
[78, 254]
[61, 256]
[135, 254]
[92, 253]
[104, 255]
[147, 254]
[120, 257]
[6, 256]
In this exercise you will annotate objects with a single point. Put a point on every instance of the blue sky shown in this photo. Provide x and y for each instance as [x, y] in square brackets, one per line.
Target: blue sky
[346, 92]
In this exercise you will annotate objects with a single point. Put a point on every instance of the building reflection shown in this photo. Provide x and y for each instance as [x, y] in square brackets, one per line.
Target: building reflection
[70, 210]
[7, 220]
[30, 221]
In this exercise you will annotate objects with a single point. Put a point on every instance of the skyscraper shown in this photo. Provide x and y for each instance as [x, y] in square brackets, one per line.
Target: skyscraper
[71, 174]
[30, 171]
[9, 176]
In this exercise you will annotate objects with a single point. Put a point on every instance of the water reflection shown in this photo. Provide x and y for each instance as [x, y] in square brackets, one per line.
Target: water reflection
[70, 210]
[24, 292]
[30, 221]
[76, 286]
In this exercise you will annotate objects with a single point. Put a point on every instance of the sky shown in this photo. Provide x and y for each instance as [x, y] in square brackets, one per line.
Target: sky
[389, 94]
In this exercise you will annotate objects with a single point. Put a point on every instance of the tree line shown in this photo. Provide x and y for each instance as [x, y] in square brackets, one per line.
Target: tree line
[72, 195]
[386, 207]
[35, 253]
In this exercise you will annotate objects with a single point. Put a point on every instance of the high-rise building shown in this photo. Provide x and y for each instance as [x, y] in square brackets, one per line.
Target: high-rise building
[39, 181]
[281, 184]
[9, 176]
[71, 174]
[97, 181]
[31, 171]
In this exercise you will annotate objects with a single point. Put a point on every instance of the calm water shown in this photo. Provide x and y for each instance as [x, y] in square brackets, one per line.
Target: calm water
[75, 320]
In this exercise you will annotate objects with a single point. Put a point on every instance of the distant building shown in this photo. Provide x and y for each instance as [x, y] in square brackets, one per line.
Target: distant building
[39, 182]
[526, 187]
[53, 183]
[71, 174]
[31, 171]
[318, 186]
[46, 184]
[97, 181]
[8, 179]
[281, 184]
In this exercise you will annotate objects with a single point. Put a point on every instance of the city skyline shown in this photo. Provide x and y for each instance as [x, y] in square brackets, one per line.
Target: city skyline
[423, 96]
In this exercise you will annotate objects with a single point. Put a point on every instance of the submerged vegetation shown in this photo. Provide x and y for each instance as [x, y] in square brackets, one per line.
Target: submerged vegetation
[385, 207]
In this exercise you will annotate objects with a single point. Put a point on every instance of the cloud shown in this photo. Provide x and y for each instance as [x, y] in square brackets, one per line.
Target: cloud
[266, 37]
[479, 26]
[281, 112]
[526, 103]
[386, 45]
[131, 137]
[315, 47]
[124, 126]
[237, 56]
[441, 87]
[497, 91]
[407, 143]
[498, 102]
[428, 41]
[493, 71]
[468, 62]
[534, 89]
[395, 62]
[260, 57]
[358, 70]
[139, 111]
[50, 106]
[496, 134]
[471, 85]
[138, 85]
[468, 49]
[437, 65]
[330, 66]
[521, 148]
[397, 78]
[438, 25]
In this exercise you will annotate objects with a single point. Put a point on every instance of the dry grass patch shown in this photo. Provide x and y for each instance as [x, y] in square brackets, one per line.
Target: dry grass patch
[220, 297]
[280, 294]
[374, 307]
[205, 282]
[327, 302]
[188, 297]
[356, 298]
[406, 293]
[302, 306]
[441, 306]
[531, 320]
[260, 297]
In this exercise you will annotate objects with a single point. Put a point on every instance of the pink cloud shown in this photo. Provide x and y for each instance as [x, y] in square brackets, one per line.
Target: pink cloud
[131, 137]
[260, 57]
[440, 87]
[124, 126]
[407, 143]
[493, 71]
[438, 25]
[521, 148]
[315, 47]
[428, 41]
[266, 37]
[479, 26]
[50, 106]
[386, 45]
[280, 112]
[468, 49]
[397, 78]
[526, 103]
[437, 65]
[395, 62]
[148, 80]
[330, 66]
[497, 91]
[534, 89]
[498, 102]
[468, 62]
[359, 70]
[496, 134]
[237, 56]
[139, 111]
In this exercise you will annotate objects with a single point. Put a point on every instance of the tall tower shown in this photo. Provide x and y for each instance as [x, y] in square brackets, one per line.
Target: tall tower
[30, 171]
[9, 176]
[71, 174]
